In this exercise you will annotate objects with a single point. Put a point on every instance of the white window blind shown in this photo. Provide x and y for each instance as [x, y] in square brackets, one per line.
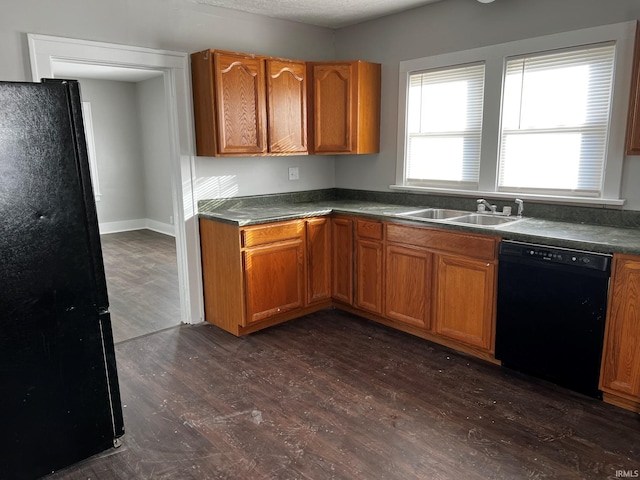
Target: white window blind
[555, 120]
[444, 126]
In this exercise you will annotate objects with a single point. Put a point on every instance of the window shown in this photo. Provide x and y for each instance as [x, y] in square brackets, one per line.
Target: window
[445, 125]
[543, 118]
[555, 120]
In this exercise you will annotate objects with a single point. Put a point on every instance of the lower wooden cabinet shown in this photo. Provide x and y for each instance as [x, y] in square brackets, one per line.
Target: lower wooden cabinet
[620, 372]
[408, 273]
[318, 260]
[369, 275]
[465, 299]
[260, 275]
[342, 259]
[430, 282]
[443, 282]
[369, 265]
[274, 279]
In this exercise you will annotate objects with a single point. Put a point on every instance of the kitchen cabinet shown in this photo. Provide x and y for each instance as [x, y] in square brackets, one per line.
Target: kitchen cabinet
[633, 126]
[620, 372]
[344, 107]
[257, 276]
[465, 299]
[318, 259]
[229, 103]
[456, 273]
[368, 265]
[248, 105]
[274, 278]
[286, 106]
[408, 274]
[342, 259]
[433, 283]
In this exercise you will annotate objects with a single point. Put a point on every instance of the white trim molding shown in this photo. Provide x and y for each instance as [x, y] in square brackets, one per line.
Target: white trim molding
[493, 58]
[138, 224]
[44, 50]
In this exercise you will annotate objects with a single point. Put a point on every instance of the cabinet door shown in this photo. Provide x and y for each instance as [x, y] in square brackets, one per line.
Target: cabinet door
[465, 299]
[334, 112]
[408, 285]
[342, 260]
[287, 106]
[274, 279]
[318, 260]
[621, 357]
[241, 106]
[633, 127]
[369, 275]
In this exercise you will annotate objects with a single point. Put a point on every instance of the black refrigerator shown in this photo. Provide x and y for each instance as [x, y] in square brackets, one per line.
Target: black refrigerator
[59, 394]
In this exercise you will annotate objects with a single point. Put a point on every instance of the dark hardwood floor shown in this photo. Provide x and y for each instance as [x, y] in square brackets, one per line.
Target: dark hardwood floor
[142, 282]
[333, 396]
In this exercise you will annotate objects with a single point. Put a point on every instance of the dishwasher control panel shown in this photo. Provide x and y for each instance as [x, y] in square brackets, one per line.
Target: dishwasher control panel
[595, 261]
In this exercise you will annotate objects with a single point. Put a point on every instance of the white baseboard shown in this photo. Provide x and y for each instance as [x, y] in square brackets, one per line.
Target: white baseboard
[160, 227]
[138, 224]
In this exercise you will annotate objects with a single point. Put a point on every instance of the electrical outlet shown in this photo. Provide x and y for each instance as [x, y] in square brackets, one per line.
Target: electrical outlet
[294, 173]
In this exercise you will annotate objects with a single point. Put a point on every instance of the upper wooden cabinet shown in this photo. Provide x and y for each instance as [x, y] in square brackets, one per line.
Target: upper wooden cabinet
[248, 105]
[286, 106]
[633, 127]
[344, 107]
[620, 373]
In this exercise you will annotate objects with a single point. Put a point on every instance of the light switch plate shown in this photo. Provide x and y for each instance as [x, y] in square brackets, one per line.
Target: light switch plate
[294, 173]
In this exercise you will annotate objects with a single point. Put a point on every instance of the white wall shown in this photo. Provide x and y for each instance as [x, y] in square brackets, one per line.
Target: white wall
[154, 129]
[184, 25]
[117, 136]
[453, 25]
[178, 25]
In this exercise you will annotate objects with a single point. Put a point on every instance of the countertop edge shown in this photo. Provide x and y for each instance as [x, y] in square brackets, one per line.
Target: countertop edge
[517, 231]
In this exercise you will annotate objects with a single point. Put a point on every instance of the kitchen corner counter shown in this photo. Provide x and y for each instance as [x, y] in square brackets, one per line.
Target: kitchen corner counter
[593, 238]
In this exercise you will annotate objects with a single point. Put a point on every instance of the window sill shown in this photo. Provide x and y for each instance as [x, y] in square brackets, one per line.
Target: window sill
[590, 201]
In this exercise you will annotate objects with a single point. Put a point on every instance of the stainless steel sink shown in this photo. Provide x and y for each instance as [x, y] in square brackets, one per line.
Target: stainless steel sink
[435, 213]
[485, 220]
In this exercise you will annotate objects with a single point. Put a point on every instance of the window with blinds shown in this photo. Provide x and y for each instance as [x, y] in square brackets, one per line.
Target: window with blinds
[444, 126]
[555, 121]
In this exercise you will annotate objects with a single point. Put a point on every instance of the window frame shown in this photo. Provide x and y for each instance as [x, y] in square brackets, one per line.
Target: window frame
[475, 133]
[494, 58]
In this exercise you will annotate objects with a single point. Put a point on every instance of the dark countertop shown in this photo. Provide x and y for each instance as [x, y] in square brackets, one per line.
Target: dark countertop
[594, 238]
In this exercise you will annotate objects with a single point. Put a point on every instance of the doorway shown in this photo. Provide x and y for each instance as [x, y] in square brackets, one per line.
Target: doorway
[126, 130]
[45, 51]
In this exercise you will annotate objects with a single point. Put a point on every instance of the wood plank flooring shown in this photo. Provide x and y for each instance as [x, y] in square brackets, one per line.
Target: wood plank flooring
[142, 282]
[333, 396]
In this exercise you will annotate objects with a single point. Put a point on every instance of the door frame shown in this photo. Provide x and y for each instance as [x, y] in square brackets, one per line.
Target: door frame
[45, 49]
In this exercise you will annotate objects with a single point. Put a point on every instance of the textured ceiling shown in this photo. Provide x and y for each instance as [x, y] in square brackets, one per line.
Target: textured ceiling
[325, 13]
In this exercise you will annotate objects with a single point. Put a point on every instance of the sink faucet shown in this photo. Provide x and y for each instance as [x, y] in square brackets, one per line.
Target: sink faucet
[482, 201]
[520, 204]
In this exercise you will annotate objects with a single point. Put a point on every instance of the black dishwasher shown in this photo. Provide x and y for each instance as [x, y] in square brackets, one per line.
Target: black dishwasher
[551, 310]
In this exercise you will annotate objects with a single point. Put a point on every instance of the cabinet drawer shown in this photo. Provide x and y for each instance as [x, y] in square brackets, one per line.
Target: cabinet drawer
[475, 246]
[271, 233]
[369, 229]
